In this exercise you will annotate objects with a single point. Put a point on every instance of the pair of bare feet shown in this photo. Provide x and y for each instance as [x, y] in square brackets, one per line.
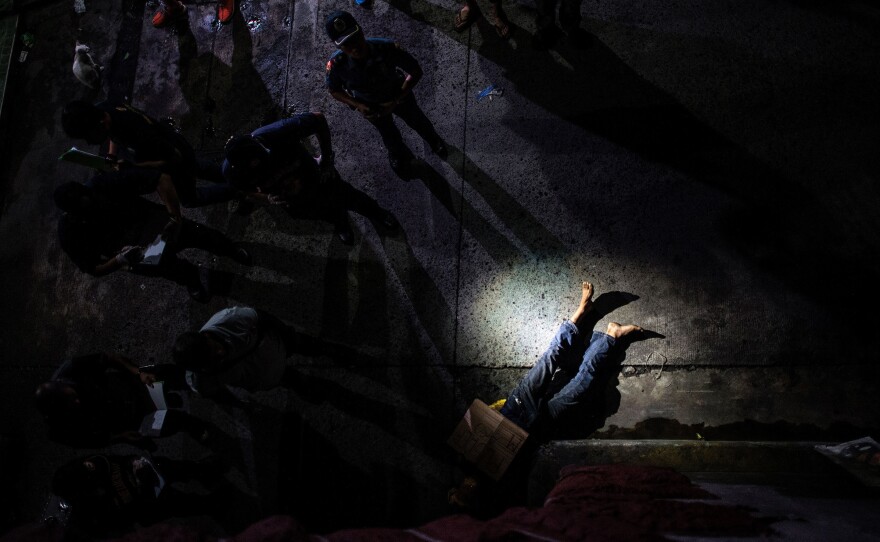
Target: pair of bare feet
[614, 329]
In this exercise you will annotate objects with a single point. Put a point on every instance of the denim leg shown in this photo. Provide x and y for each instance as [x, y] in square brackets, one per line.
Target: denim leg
[576, 390]
[391, 136]
[525, 401]
[410, 112]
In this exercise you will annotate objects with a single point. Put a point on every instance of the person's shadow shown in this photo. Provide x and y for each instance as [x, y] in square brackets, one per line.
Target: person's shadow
[598, 92]
[223, 100]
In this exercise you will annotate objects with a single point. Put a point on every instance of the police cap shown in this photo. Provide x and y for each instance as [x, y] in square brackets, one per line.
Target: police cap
[340, 26]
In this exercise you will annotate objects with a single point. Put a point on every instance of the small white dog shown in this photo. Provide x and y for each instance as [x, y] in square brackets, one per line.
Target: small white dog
[85, 68]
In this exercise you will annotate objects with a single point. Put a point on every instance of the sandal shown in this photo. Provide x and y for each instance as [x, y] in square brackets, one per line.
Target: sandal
[499, 20]
[465, 17]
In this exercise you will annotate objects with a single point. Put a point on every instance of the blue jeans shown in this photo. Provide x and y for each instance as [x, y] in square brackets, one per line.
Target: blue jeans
[528, 401]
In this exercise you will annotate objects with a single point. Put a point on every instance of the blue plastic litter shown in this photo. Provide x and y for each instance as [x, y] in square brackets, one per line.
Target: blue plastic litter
[489, 92]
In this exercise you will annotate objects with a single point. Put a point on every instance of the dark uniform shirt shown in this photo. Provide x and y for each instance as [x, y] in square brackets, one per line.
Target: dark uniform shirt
[287, 156]
[376, 79]
[111, 401]
[92, 240]
[149, 139]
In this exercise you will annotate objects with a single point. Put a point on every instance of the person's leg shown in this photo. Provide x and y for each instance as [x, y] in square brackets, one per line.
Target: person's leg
[466, 15]
[547, 32]
[195, 235]
[576, 391]
[410, 112]
[218, 191]
[391, 138]
[526, 401]
[546, 18]
[169, 12]
[172, 268]
[498, 18]
[180, 271]
[570, 15]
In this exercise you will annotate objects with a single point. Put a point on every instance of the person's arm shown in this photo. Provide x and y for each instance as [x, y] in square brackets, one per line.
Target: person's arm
[322, 134]
[413, 72]
[336, 87]
[126, 365]
[344, 97]
[262, 198]
[111, 265]
[127, 257]
[410, 66]
[321, 131]
[168, 195]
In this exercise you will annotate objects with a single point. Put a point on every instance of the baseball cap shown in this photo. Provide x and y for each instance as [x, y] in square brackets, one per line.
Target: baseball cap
[340, 26]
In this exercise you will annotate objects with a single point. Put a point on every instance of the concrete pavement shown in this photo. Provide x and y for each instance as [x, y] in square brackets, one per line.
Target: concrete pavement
[713, 165]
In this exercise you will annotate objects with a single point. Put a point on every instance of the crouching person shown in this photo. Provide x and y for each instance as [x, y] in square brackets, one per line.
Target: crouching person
[240, 347]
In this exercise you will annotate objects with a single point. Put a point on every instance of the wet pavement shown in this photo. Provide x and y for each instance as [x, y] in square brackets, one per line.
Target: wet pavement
[711, 169]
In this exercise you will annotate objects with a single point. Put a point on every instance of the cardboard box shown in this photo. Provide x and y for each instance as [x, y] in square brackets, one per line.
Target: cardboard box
[487, 439]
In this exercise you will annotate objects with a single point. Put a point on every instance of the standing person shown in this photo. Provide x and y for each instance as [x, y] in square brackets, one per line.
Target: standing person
[103, 236]
[155, 145]
[532, 405]
[569, 19]
[376, 77]
[470, 13]
[240, 347]
[100, 399]
[272, 167]
[172, 11]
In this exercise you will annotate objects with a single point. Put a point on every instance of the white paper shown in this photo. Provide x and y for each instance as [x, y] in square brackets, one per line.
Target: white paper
[152, 424]
[153, 253]
[157, 394]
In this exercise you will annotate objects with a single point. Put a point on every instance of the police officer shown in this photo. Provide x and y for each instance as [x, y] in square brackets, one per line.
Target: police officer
[376, 77]
[272, 167]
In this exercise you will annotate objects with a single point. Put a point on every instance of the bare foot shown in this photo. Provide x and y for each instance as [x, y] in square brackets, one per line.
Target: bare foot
[617, 330]
[586, 303]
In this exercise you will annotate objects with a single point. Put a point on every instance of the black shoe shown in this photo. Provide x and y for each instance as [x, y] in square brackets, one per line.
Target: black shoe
[440, 149]
[242, 256]
[389, 220]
